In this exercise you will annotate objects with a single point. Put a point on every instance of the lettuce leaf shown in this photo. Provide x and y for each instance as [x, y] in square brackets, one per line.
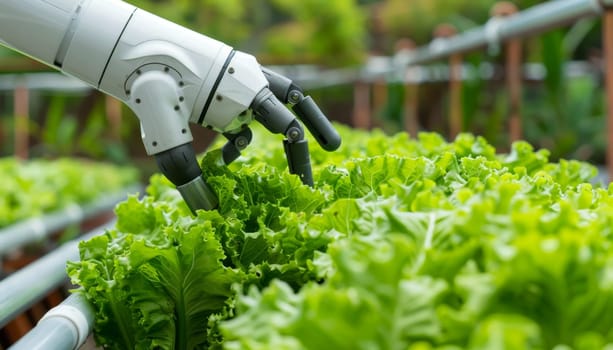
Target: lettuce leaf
[36, 187]
[363, 305]
[156, 279]
[401, 244]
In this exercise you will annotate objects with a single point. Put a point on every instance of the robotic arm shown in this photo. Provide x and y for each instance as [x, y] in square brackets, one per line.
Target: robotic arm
[169, 76]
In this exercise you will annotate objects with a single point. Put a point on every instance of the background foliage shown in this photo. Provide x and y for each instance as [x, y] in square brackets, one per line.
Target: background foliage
[276, 30]
[561, 114]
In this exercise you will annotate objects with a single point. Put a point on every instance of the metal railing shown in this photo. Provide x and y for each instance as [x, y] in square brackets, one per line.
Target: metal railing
[547, 16]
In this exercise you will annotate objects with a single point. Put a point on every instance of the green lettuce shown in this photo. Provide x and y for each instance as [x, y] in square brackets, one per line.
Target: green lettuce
[155, 279]
[35, 187]
[401, 244]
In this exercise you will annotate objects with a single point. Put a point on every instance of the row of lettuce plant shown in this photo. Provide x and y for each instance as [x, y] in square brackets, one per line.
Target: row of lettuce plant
[35, 187]
[401, 244]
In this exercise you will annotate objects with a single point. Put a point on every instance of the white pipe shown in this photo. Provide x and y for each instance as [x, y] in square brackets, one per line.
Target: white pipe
[35, 229]
[65, 327]
[537, 19]
[26, 286]
[534, 20]
[47, 81]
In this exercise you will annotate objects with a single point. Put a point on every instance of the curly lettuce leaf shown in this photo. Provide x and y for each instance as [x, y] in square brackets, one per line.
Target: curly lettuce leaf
[364, 304]
[36, 187]
[402, 244]
[155, 280]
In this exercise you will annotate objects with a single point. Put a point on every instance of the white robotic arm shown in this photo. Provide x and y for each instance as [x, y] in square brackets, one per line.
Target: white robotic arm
[169, 76]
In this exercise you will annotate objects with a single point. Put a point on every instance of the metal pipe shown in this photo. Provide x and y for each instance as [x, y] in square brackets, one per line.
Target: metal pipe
[34, 229]
[539, 18]
[550, 15]
[42, 81]
[431, 73]
[65, 327]
[23, 288]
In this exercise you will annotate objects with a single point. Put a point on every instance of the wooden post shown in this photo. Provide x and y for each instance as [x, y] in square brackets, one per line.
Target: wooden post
[113, 114]
[411, 106]
[411, 92]
[455, 82]
[21, 109]
[513, 72]
[607, 38]
[455, 92]
[361, 105]
[379, 97]
[17, 328]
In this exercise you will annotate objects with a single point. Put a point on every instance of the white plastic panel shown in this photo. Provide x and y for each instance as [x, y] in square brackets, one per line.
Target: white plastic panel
[65, 5]
[100, 24]
[35, 27]
[156, 102]
[238, 87]
[150, 39]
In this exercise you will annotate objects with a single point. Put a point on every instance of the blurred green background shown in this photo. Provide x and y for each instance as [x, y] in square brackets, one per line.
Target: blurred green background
[564, 114]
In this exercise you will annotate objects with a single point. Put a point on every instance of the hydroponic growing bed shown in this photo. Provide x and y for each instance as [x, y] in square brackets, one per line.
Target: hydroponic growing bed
[402, 244]
[42, 204]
